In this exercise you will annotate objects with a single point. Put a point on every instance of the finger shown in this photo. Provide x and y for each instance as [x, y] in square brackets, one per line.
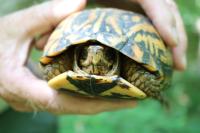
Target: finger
[34, 68]
[198, 26]
[41, 41]
[16, 103]
[37, 93]
[179, 52]
[42, 18]
[83, 105]
[162, 18]
[20, 107]
[28, 89]
[130, 5]
[99, 105]
[179, 57]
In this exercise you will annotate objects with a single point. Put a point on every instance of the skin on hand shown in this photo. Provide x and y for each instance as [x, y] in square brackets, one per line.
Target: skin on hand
[18, 86]
[166, 18]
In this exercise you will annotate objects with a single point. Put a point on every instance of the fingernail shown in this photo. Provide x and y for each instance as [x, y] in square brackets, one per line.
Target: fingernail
[175, 37]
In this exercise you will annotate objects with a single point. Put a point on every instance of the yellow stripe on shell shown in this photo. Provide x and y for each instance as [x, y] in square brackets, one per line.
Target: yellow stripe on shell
[136, 18]
[112, 40]
[142, 26]
[147, 28]
[113, 22]
[54, 39]
[98, 23]
[167, 59]
[60, 82]
[85, 25]
[68, 23]
[153, 66]
[79, 41]
[90, 19]
[45, 60]
[72, 37]
[153, 44]
[131, 91]
[138, 53]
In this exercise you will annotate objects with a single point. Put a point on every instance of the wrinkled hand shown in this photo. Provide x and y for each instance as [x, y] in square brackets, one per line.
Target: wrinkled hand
[166, 18]
[18, 86]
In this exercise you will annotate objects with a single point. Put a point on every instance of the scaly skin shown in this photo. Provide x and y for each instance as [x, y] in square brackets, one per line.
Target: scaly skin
[146, 81]
[59, 65]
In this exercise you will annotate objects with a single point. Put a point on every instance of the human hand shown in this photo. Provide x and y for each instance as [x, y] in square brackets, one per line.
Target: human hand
[166, 18]
[198, 25]
[18, 86]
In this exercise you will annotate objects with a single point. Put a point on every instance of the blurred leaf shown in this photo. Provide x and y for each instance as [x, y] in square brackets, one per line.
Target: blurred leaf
[13, 5]
[3, 106]
[16, 122]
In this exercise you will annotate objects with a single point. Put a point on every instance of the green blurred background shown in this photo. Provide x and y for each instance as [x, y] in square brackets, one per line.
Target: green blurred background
[147, 117]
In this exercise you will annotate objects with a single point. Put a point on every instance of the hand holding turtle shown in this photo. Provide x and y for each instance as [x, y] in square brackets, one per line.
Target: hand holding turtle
[25, 92]
[18, 86]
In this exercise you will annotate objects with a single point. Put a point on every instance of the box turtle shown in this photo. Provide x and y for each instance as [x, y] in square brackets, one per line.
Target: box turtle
[108, 53]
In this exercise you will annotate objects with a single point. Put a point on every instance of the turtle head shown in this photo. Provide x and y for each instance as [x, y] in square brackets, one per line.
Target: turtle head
[96, 55]
[96, 59]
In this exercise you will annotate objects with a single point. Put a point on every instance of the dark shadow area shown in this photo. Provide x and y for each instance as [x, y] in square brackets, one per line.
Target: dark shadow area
[16, 122]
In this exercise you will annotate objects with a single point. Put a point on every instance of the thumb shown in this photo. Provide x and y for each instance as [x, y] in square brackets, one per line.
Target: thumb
[42, 18]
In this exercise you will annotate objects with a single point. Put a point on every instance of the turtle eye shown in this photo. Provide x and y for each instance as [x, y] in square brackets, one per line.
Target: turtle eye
[83, 52]
[110, 54]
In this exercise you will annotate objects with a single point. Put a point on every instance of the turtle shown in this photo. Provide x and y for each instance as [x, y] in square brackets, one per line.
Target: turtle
[108, 53]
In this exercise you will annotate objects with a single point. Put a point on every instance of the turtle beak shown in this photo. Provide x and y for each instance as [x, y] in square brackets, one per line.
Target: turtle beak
[95, 53]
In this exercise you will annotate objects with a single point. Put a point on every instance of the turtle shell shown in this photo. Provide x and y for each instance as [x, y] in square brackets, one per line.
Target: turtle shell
[131, 34]
[127, 32]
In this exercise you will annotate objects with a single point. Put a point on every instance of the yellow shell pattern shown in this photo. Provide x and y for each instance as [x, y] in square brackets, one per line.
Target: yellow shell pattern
[131, 34]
